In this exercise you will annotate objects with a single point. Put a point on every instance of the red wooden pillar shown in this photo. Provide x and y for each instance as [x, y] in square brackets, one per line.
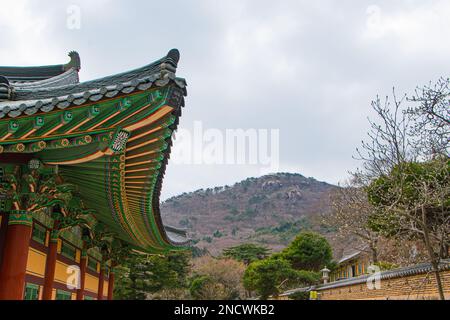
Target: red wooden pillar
[83, 264]
[15, 256]
[3, 228]
[101, 280]
[111, 284]
[50, 266]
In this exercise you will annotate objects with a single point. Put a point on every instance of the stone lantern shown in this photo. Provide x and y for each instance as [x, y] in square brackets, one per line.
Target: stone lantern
[325, 274]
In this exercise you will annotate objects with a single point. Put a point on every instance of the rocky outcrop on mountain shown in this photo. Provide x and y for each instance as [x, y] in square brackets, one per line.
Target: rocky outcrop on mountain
[269, 210]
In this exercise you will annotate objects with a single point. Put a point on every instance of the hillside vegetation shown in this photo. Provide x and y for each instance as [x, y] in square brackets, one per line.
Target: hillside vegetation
[269, 210]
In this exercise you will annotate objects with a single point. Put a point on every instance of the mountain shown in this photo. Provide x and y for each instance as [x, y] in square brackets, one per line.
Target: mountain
[268, 210]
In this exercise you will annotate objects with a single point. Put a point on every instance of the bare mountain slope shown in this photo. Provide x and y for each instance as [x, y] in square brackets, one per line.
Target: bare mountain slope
[270, 210]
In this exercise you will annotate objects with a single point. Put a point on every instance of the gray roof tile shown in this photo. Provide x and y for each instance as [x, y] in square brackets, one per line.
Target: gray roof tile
[47, 94]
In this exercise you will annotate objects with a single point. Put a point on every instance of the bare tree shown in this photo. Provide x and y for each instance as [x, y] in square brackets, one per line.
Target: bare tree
[410, 191]
[350, 213]
[388, 144]
[430, 115]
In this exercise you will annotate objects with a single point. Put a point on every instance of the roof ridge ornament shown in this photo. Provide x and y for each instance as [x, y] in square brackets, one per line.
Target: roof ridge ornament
[173, 56]
[169, 65]
[75, 61]
[5, 89]
[28, 75]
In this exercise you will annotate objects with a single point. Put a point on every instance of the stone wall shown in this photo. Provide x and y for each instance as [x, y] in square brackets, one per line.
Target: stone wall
[411, 283]
[421, 286]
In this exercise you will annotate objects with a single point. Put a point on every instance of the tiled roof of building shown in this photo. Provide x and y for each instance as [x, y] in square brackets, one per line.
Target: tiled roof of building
[63, 90]
[46, 112]
[27, 75]
[350, 256]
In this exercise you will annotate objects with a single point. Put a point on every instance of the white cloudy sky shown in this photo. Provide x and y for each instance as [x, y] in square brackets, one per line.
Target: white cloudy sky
[308, 68]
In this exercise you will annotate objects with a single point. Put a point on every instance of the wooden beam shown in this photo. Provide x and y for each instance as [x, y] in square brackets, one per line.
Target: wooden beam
[142, 154]
[90, 157]
[142, 144]
[6, 136]
[104, 120]
[144, 134]
[52, 130]
[154, 117]
[29, 133]
[78, 125]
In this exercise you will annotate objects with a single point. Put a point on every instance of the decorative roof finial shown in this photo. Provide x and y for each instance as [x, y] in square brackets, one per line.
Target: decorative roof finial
[174, 55]
[75, 61]
[5, 89]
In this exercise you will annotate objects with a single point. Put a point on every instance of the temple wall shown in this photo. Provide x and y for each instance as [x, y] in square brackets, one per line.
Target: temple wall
[415, 287]
[61, 274]
[91, 283]
[36, 274]
[406, 286]
[36, 263]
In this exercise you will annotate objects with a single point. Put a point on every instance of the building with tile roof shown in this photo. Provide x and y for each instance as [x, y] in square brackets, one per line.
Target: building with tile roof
[81, 169]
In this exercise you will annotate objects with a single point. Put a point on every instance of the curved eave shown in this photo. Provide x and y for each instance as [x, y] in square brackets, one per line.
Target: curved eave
[173, 236]
[124, 187]
[68, 77]
[39, 73]
[31, 101]
[166, 236]
[150, 99]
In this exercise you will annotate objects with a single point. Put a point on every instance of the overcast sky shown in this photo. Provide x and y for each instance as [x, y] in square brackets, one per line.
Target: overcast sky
[307, 68]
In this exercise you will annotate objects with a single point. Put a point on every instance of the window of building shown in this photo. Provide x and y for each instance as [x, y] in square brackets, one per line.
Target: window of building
[68, 251]
[92, 264]
[88, 298]
[31, 292]
[360, 268]
[39, 233]
[63, 295]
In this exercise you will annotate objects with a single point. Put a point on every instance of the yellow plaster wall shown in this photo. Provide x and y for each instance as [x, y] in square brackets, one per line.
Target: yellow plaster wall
[77, 255]
[61, 274]
[105, 288]
[36, 262]
[91, 283]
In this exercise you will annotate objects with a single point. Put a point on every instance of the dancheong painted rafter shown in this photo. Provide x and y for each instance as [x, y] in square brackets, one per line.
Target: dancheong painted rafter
[110, 137]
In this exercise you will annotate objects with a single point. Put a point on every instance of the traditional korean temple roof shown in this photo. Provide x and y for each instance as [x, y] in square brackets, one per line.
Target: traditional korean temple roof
[350, 256]
[111, 137]
[28, 75]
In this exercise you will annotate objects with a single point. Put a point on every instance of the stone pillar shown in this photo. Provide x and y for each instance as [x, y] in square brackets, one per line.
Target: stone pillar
[101, 280]
[325, 275]
[15, 255]
[111, 284]
[83, 265]
[50, 266]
